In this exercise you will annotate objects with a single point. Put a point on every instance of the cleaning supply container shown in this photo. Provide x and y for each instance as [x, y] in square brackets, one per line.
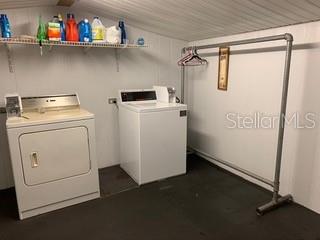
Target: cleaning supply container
[72, 29]
[5, 26]
[98, 30]
[42, 32]
[62, 28]
[113, 35]
[140, 41]
[123, 33]
[54, 29]
[85, 32]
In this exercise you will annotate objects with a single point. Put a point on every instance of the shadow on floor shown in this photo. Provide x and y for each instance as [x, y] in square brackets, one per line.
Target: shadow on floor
[114, 180]
[206, 203]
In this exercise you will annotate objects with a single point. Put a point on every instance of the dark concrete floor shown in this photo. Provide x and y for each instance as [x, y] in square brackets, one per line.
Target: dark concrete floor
[114, 180]
[207, 203]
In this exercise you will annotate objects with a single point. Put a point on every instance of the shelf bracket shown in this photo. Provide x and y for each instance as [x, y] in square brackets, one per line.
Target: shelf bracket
[86, 50]
[117, 57]
[10, 58]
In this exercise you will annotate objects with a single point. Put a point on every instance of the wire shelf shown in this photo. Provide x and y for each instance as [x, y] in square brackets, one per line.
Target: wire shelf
[85, 46]
[23, 41]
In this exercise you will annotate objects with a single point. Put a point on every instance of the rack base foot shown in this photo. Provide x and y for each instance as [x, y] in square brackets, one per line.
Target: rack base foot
[274, 204]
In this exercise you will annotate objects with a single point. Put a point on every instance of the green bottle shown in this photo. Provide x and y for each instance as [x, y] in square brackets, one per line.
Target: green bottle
[42, 33]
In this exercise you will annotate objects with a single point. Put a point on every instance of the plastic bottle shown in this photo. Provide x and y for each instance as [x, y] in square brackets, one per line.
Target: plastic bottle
[41, 35]
[62, 28]
[5, 26]
[123, 32]
[71, 29]
[55, 19]
[98, 30]
[113, 35]
[54, 33]
[85, 32]
[140, 41]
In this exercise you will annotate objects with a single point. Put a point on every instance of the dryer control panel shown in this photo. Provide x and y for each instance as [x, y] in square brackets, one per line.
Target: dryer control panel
[50, 103]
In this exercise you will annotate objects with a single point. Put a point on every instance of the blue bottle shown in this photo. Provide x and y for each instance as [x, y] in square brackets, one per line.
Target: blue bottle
[140, 41]
[123, 32]
[85, 31]
[5, 26]
[62, 28]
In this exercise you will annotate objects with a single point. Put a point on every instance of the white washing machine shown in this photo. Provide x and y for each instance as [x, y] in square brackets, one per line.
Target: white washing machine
[52, 147]
[153, 136]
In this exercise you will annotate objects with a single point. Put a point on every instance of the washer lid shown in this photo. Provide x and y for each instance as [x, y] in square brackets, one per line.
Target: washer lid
[153, 106]
[36, 118]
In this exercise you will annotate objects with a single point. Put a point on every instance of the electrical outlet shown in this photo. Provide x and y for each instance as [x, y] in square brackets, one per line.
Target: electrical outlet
[112, 101]
[3, 110]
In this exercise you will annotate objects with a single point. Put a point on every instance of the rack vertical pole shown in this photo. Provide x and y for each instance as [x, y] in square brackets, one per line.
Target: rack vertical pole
[182, 83]
[183, 77]
[276, 199]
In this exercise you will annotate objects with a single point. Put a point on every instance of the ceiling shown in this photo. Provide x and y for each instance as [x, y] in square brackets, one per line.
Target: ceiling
[195, 19]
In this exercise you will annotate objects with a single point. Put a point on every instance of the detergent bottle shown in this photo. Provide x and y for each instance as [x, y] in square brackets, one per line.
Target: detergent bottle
[113, 35]
[85, 33]
[5, 26]
[42, 33]
[62, 28]
[71, 29]
[98, 30]
[53, 31]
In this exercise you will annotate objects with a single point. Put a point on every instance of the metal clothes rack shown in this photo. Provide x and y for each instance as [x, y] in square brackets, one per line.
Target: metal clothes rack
[277, 200]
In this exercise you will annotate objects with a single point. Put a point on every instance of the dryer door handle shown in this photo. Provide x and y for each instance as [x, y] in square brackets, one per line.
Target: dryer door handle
[34, 159]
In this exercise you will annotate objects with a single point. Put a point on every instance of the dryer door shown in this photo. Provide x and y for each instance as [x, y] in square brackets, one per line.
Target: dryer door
[55, 154]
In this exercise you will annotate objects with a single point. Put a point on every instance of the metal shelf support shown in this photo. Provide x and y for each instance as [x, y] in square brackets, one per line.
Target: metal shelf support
[10, 58]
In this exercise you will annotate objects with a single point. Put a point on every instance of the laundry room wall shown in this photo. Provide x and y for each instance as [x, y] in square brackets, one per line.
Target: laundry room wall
[93, 75]
[255, 85]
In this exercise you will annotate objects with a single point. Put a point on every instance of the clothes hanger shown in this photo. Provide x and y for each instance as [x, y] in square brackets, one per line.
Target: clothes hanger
[185, 58]
[192, 59]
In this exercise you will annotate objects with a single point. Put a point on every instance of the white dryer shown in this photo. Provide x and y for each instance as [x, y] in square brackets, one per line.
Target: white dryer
[153, 136]
[52, 147]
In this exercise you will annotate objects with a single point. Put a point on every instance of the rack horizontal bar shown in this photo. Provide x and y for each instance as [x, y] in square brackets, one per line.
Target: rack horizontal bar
[235, 167]
[286, 36]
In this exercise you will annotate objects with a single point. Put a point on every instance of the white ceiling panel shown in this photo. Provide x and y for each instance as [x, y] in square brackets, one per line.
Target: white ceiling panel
[7, 4]
[196, 19]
